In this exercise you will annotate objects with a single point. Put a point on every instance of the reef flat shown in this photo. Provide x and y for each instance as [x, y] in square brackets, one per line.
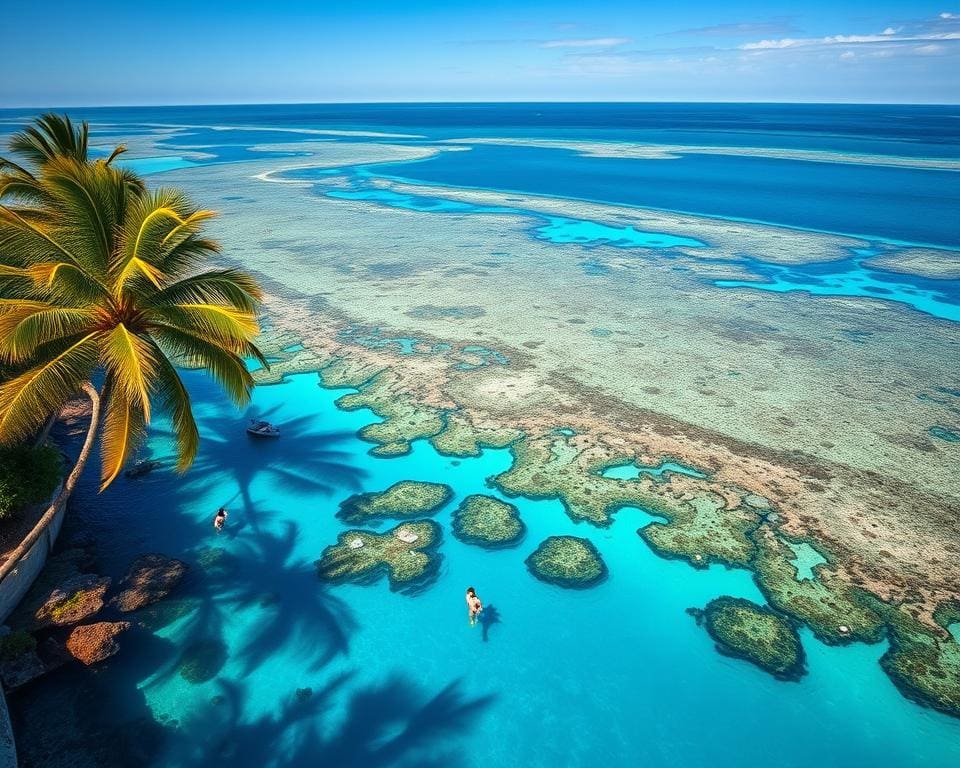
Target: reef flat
[408, 498]
[407, 554]
[752, 632]
[567, 561]
[810, 415]
[487, 522]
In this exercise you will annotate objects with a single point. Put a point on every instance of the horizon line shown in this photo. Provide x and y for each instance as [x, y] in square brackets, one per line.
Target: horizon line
[477, 102]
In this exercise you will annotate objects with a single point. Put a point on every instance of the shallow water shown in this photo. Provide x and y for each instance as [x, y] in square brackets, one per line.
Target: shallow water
[561, 677]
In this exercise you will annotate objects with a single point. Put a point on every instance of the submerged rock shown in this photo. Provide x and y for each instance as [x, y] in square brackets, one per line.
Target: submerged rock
[567, 561]
[408, 498]
[72, 601]
[487, 522]
[406, 553]
[202, 660]
[92, 643]
[744, 630]
[149, 579]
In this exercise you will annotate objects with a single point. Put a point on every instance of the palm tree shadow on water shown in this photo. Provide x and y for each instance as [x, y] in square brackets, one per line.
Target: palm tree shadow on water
[254, 570]
[303, 460]
[394, 722]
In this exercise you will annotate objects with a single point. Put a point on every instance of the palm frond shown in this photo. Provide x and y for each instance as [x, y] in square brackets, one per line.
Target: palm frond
[131, 366]
[28, 398]
[121, 433]
[225, 366]
[230, 287]
[175, 400]
[53, 136]
[27, 325]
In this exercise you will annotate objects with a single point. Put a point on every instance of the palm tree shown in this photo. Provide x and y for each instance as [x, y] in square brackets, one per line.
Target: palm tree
[100, 281]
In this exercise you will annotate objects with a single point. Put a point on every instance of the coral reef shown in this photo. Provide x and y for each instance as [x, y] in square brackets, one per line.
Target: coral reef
[408, 498]
[836, 612]
[567, 561]
[487, 522]
[702, 525]
[150, 578]
[403, 420]
[924, 663]
[764, 637]
[460, 438]
[406, 553]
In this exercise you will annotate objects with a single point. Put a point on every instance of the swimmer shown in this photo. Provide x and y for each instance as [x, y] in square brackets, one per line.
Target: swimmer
[474, 606]
[220, 520]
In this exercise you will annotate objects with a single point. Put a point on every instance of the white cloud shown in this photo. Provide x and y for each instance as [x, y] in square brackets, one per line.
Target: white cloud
[928, 50]
[891, 31]
[595, 42]
[847, 55]
[950, 15]
[806, 42]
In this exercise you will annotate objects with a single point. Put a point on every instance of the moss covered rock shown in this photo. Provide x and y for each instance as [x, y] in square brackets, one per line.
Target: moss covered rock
[408, 498]
[487, 522]
[567, 561]
[755, 633]
[406, 554]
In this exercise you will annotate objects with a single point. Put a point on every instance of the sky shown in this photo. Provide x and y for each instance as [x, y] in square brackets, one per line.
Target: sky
[207, 52]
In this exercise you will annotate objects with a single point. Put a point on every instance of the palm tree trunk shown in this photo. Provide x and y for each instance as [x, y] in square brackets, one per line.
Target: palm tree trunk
[87, 448]
[45, 432]
[69, 484]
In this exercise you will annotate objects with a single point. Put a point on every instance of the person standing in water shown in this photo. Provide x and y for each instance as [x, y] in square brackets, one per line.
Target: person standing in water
[474, 606]
[220, 520]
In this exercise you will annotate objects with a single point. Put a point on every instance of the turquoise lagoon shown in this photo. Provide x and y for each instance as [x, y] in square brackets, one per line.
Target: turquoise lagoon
[618, 674]
[301, 673]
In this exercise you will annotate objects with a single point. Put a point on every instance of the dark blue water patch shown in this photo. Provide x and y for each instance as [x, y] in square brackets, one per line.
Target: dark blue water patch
[948, 391]
[902, 204]
[239, 137]
[908, 130]
[942, 433]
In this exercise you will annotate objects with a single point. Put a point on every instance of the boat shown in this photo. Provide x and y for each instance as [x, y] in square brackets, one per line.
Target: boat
[141, 468]
[262, 429]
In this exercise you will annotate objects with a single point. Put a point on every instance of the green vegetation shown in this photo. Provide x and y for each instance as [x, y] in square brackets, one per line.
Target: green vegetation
[745, 630]
[28, 475]
[16, 644]
[487, 522]
[406, 553]
[408, 498]
[567, 561]
[100, 276]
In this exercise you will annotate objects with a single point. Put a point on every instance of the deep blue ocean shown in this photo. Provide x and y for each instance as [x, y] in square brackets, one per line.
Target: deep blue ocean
[616, 676]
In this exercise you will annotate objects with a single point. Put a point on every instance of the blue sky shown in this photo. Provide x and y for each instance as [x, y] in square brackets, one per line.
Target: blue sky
[602, 50]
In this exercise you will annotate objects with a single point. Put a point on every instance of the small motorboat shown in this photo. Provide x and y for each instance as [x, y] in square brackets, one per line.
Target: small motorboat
[262, 429]
[141, 468]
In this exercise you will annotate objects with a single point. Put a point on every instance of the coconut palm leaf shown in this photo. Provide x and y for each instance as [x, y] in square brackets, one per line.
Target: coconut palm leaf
[100, 277]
